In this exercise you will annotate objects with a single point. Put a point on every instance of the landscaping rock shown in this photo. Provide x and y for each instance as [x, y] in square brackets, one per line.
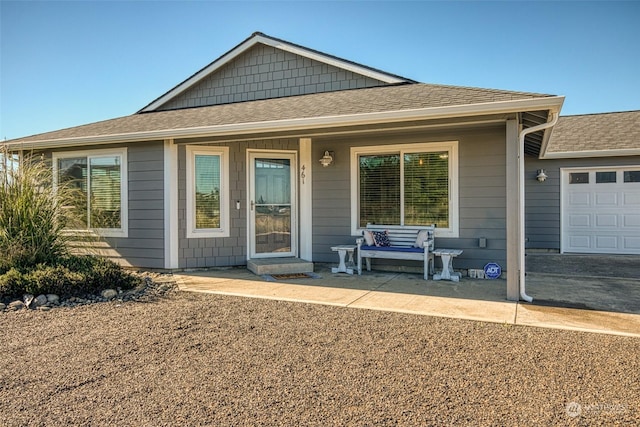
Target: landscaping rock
[28, 299]
[148, 289]
[16, 305]
[109, 293]
[39, 301]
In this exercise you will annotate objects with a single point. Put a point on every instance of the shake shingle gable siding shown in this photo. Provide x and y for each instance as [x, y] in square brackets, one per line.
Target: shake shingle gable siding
[330, 104]
[265, 72]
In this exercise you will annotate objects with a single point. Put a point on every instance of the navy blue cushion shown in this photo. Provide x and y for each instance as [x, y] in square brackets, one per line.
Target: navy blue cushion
[392, 248]
[381, 238]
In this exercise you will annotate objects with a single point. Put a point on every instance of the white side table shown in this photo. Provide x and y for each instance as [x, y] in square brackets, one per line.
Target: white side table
[447, 256]
[342, 252]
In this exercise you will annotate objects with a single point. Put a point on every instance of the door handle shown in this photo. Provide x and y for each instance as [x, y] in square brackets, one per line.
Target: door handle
[252, 204]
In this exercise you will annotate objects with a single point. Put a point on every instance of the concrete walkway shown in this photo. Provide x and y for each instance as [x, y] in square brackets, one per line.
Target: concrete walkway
[470, 299]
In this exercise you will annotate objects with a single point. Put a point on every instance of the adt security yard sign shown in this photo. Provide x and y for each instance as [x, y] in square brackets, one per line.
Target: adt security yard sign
[492, 271]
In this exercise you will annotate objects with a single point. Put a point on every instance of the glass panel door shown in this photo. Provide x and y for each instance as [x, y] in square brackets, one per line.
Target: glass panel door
[272, 205]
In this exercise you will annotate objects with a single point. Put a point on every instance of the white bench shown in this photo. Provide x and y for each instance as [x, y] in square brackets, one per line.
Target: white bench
[402, 240]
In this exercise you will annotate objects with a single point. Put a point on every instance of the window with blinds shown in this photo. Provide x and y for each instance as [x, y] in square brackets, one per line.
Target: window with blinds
[406, 185]
[95, 184]
[207, 188]
[207, 177]
[426, 189]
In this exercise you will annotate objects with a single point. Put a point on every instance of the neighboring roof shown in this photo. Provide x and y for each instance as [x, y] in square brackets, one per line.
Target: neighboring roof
[340, 108]
[261, 38]
[595, 135]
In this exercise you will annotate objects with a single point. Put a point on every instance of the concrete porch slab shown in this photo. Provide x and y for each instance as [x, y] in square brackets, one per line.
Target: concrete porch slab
[279, 266]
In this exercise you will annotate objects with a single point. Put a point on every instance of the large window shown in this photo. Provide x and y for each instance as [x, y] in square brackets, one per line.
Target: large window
[96, 182]
[410, 185]
[207, 192]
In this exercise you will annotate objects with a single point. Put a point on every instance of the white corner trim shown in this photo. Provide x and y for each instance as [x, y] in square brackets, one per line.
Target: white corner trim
[305, 177]
[171, 241]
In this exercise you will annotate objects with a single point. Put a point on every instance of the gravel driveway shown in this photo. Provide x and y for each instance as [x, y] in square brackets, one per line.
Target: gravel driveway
[196, 359]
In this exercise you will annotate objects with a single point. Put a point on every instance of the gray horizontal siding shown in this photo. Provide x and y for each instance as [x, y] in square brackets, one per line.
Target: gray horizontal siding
[222, 251]
[482, 194]
[542, 199]
[144, 246]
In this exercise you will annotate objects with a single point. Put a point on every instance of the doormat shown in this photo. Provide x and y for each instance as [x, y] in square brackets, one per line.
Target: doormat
[276, 277]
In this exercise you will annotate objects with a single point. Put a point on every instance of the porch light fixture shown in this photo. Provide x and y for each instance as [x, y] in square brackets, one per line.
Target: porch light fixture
[542, 177]
[327, 159]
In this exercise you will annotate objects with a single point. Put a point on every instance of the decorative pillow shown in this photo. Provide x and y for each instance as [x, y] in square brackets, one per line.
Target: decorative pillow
[423, 236]
[368, 238]
[381, 238]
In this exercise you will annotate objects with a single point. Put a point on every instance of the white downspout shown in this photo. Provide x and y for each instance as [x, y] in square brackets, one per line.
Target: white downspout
[523, 133]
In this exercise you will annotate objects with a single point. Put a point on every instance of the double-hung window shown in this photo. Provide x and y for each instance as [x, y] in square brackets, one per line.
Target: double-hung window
[409, 185]
[207, 192]
[95, 190]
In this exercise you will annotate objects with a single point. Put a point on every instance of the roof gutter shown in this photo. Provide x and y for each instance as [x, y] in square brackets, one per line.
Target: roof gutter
[396, 116]
[523, 133]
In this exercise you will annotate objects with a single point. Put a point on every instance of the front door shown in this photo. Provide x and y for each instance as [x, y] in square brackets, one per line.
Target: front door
[272, 204]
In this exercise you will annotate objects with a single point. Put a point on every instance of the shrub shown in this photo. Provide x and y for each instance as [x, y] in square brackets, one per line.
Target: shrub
[31, 229]
[74, 276]
[34, 245]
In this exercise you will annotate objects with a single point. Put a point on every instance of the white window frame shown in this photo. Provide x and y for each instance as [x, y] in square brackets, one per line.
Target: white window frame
[451, 147]
[123, 231]
[224, 230]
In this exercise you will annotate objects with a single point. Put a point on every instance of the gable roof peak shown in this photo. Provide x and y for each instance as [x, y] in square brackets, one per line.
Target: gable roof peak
[261, 38]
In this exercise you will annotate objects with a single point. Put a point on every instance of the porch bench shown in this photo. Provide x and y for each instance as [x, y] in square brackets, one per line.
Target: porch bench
[402, 246]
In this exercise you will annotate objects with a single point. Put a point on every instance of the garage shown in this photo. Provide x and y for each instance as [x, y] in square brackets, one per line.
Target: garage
[600, 210]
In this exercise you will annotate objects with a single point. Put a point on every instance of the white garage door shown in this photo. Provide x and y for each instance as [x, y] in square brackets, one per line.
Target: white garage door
[601, 210]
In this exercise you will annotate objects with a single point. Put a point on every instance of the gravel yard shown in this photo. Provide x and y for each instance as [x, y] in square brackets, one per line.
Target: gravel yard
[196, 359]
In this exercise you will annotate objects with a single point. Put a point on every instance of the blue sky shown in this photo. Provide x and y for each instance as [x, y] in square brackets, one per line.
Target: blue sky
[70, 63]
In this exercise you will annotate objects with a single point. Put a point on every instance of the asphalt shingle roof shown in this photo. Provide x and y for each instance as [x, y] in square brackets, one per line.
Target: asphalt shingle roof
[370, 100]
[596, 132]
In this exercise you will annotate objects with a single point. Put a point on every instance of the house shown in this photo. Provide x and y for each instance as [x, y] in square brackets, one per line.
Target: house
[225, 167]
[590, 201]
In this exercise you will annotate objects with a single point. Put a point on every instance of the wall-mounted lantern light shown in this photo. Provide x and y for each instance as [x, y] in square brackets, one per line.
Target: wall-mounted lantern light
[542, 177]
[327, 159]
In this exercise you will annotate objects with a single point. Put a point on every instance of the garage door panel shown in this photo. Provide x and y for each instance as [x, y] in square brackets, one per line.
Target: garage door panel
[606, 242]
[632, 221]
[606, 199]
[631, 244]
[600, 211]
[607, 220]
[580, 242]
[579, 199]
[631, 199]
[579, 220]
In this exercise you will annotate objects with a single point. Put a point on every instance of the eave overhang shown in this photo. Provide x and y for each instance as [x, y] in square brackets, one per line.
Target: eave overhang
[550, 104]
[592, 153]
